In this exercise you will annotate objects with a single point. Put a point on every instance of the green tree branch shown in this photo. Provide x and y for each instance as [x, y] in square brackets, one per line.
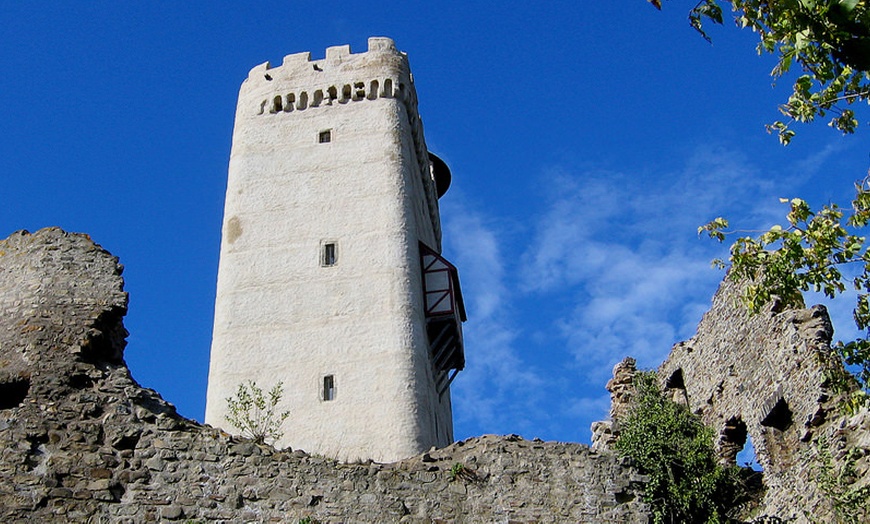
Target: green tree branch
[829, 40]
[255, 413]
[809, 255]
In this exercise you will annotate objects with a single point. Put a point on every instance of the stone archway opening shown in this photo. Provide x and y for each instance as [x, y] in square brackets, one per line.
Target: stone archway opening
[746, 457]
[13, 392]
[735, 445]
[732, 440]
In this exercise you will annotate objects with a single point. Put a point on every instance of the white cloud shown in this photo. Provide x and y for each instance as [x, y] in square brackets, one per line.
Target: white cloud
[497, 391]
[811, 165]
[625, 249]
[592, 405]
[477, 250]
[608, 265]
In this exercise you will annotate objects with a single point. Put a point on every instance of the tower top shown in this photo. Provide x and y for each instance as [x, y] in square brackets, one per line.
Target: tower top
[331, 278]
[339, 59]
[343, 77]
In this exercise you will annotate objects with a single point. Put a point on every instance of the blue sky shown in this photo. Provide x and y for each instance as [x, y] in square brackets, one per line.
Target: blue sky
[587, 140]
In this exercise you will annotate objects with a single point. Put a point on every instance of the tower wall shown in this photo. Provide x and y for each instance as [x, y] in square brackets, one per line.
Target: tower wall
[283, 313]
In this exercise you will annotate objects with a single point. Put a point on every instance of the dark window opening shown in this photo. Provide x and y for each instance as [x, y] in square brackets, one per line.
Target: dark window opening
[329, 387]
[675, 381]
[359, 91]
[779, 416]
[13, 393]
[80, 381]
[324, 137]
[329, 255]
[732, 439]
[127, 441]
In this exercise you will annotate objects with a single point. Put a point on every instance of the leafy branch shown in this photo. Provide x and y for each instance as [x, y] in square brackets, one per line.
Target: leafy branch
[829, 40]
[810, 255]
[255, 412]
[837, 482]
[674, 449]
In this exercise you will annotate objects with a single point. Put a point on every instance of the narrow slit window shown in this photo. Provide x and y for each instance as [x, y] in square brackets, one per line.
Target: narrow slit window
[330, 254]
[329, 387]
[302, 102]
[324, 137]
[359, 91]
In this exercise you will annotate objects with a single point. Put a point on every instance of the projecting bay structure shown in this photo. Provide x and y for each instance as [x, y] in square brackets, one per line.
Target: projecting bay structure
[331, 279]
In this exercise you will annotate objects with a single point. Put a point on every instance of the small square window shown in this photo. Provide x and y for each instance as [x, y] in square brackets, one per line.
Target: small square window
[329, 254]
[324, 137]
[329, 387]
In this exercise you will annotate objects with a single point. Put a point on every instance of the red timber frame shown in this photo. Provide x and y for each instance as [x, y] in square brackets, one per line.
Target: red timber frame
[445, 312]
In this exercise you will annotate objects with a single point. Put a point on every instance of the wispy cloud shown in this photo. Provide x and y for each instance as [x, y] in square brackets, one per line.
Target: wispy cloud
[626, 250]
[811, 165]
[606, 264]
[498, 390]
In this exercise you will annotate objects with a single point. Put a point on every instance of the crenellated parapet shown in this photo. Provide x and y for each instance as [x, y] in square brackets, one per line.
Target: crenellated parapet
[334, 94]
[300, 85]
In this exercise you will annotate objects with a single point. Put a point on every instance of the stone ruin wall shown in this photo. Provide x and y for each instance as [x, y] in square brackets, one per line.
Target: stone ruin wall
[81, 441]
[761, 377]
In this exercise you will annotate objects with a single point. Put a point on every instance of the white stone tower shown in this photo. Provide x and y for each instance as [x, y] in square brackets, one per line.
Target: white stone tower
[330, 277]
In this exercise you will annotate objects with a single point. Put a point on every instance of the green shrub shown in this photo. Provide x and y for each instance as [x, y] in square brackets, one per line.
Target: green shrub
[254, 412]
[675, 450]
[851, 503]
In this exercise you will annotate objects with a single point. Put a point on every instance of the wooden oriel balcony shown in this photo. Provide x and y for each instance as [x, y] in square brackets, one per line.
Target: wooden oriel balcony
[445, 313]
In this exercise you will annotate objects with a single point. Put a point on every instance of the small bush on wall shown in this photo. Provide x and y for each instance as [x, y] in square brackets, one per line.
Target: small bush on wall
[675, 450]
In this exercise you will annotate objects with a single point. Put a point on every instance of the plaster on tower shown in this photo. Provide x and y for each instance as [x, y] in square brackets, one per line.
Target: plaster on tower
[331, 231]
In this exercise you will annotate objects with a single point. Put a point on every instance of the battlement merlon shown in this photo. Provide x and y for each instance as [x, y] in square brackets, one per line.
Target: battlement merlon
[301, 84]
[299, 71]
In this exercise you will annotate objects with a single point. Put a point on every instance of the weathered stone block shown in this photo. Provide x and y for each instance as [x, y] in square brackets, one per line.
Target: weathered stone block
[129, 466]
